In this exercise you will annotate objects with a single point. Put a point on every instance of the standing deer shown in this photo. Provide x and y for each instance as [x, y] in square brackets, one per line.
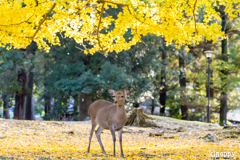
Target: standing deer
[109, 116]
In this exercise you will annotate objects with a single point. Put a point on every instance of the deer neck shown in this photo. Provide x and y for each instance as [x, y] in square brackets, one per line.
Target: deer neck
[121, 111]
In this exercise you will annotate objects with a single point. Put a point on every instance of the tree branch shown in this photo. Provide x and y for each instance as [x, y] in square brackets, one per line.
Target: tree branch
[5, 25]
[103, 1]
[45, 17]
[194, 16]
[99, 23]
[138, 18]
[231, 32]
[134, 15]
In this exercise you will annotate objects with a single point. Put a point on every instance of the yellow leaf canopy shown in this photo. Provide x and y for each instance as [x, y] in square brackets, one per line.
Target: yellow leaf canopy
[22, 21]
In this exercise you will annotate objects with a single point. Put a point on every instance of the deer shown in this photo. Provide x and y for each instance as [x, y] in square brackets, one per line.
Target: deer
[109, 116]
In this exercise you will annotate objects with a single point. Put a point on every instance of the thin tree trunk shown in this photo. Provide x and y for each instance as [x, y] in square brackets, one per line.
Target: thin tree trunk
[163, 92]
[5, 106]
[76, 104]
[29, 113]
[153, 106]
[182, 81]
[84, 103]
[20, 95]
[75, 108]
[223, 98]
[47, 103]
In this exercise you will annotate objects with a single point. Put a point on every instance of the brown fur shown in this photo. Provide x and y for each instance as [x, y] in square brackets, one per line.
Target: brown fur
[109, 116]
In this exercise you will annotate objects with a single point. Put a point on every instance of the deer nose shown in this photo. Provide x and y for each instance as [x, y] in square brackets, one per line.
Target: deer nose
[115, 102]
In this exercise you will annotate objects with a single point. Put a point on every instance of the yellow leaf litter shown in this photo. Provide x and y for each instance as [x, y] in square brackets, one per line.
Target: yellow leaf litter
[58, 140]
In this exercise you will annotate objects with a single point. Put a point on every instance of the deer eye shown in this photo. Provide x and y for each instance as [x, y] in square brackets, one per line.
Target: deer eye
[122, 96]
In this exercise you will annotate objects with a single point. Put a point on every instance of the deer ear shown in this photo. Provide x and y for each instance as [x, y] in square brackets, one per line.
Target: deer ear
[127, 92]
[111, 92]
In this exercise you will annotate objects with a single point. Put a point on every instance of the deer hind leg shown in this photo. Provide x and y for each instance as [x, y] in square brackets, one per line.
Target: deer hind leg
[98, 133]
[90, 138]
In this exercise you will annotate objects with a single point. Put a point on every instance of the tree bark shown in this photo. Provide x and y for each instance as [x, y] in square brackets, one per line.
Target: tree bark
[20, 95]
[5, 98]
[153, 106]
[84, 103]
[30, 114]
[76, 104]
[182, 81]
[47, 103]
[223, 98]
[163, 92]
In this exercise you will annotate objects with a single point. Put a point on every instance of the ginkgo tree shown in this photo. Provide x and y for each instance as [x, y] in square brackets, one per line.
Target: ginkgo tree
[22, 21]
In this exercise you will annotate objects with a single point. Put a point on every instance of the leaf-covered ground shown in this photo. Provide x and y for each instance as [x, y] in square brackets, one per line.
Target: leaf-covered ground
[175, 139]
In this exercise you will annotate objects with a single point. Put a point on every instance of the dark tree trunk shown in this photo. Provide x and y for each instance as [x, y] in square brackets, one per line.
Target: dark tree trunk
[182, 81]
[163, 92]
[223, 98]
[29, 113]
[47, 103]
[20, 95]
[153, 106]
[5, 98]
[84, 103]
[76, 104]
[162, 101]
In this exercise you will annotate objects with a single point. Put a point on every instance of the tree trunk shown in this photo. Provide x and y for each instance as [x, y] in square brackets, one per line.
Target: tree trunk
[5, 98]
[182, 81]
[20, 95]
[139, 119]
[29, 113]
[153, 106]
[76, 104]
[163, 92]
[75, 108]
[223, 98]
[47, 103]
[84, 103]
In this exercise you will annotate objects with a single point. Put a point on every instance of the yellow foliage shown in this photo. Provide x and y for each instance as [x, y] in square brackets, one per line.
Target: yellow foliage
[54, 140]
[22, 21]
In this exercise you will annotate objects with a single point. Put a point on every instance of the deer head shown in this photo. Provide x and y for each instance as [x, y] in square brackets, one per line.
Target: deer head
[119, 96]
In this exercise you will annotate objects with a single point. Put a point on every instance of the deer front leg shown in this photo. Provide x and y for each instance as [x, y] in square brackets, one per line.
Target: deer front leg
[98, 133]
[114, 140]
[90, 138]
[120, 141]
